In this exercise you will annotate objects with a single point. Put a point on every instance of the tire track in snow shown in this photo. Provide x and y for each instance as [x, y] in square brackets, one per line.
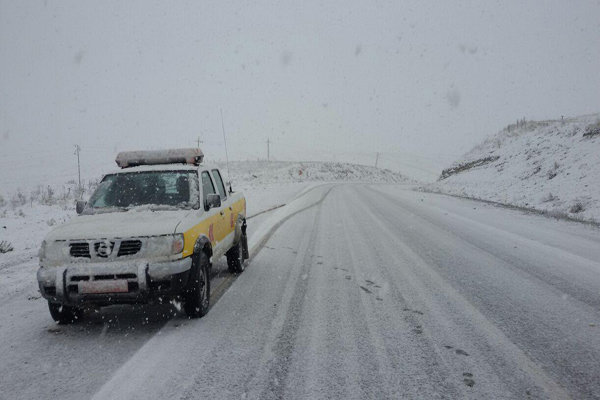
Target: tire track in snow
[263, 239]
[285, 340]
[228, 280]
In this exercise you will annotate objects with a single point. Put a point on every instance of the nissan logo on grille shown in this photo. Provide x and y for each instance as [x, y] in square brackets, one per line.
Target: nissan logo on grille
[104, 248]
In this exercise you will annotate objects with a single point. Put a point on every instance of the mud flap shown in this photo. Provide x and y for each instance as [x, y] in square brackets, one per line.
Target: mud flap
[245, 253]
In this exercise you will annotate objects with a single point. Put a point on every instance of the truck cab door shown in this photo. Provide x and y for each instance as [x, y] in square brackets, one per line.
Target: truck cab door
[215, 216]
[228, 223]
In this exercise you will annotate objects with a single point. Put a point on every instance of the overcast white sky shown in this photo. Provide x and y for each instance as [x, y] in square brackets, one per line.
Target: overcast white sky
[420, 81]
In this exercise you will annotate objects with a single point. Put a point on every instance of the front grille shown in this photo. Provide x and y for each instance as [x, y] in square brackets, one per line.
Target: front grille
[80, 249]
[129, 247]
[104, 249]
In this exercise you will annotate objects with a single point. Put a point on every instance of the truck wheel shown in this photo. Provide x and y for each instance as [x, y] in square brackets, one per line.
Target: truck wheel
[197, 297]
[235, 257]
[64, 314]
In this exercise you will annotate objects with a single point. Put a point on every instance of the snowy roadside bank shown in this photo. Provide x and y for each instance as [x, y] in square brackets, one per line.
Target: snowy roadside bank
[550, 167]
[551, 214]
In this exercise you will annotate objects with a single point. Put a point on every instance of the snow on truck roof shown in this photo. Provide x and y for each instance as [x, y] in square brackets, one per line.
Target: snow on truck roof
[128, 159]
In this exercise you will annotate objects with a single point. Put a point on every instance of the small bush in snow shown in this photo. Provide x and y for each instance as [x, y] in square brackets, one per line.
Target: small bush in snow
[18, 200]
[5, 247]
[36, 194]
[592, 129]
[48, 198]
[576, 208]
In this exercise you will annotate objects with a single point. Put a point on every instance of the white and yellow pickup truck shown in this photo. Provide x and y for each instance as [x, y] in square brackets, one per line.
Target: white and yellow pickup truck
[149, 232]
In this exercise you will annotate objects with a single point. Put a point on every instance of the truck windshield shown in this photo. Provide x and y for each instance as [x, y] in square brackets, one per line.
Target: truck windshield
[165, 189]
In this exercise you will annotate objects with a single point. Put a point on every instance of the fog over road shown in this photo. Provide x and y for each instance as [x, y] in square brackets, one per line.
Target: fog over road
[374, 291]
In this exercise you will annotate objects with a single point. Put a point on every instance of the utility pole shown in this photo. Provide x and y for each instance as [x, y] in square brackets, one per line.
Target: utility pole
[269, 149]
[376, 159]
[77, 150]
[199, 141]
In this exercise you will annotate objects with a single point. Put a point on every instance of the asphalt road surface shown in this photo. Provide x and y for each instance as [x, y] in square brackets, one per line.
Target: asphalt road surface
[363, 291]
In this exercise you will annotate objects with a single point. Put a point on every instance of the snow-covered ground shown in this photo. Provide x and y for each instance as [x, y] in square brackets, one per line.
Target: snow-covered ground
[551, 166]
[262, 172]
[411, 295]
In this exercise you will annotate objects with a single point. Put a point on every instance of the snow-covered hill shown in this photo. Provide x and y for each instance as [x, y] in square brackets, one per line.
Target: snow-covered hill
[263, 172]
[551, 166]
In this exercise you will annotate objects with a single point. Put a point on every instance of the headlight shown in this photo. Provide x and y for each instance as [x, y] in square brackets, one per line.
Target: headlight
[53, 252]
[165, 245]
[177, 245]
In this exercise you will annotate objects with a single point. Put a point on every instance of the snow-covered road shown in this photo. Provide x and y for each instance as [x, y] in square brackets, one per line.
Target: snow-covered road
[359, 291]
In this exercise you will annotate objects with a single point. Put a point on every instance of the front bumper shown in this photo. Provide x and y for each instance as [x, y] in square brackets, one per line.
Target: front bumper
[145, 280]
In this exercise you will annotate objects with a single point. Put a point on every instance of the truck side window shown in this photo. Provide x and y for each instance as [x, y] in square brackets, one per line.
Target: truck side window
[219, 181]
[207, 186]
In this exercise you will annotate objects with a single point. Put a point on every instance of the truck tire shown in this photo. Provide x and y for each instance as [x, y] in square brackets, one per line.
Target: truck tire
[64, 314]
[235, 257]
[197, 297]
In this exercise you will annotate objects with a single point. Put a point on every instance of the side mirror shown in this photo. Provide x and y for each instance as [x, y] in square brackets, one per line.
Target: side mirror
[79, 206]
[213, 200]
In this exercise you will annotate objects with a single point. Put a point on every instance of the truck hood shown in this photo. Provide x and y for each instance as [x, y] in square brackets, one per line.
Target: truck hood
[131, 223]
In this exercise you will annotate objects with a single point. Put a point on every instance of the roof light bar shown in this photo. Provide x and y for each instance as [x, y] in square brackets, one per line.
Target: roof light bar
[127, 159]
